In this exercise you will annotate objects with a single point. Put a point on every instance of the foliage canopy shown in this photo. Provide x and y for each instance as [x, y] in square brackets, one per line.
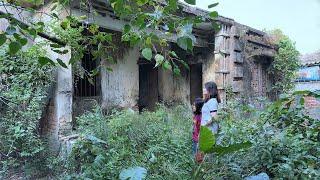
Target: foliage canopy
[286, 62]
[148, 24]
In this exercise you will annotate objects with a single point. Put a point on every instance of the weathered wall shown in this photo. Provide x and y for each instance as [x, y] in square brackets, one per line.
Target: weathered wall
[209, 67]
[165, 80]
[174, 89]
[120, 88]
[222, 64]
[242, 56]
[181, 87]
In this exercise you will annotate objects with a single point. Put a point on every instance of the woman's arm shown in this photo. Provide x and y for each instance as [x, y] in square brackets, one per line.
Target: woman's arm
[213, 117]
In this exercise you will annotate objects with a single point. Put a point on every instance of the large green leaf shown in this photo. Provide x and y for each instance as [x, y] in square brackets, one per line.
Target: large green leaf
[166, 65]
[134, 173]
[213, 5]
[126, 28]
[3, 39]
[159, 59]
[61, 63]
[220, 150]
[147, 53]
[213, 14]
[206, 139]
[45, 60]
[14, 47]
[192, 2]
[185, 43]
[23, 41]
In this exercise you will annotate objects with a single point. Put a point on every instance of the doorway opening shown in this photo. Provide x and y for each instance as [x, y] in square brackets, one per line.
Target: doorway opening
[195, 81]
[148, 86]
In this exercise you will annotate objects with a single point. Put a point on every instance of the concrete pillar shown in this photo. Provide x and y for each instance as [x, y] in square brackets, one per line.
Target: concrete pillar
[62, 120]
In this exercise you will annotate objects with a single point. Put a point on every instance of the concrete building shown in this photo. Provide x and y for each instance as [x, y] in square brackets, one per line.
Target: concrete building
[236, 58]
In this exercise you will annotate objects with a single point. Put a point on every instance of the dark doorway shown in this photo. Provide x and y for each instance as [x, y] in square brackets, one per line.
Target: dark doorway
[148, 87]
[261, 81]
[83, 87]
[195, 81]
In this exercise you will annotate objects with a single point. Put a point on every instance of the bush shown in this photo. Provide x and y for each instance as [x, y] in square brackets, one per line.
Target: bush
[285, 143]
[159, 141]
[286, 62]
[23, 90]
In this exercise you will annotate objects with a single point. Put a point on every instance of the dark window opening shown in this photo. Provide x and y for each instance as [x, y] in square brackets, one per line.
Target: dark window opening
[195, 81]
[84, 87]
[148, 87]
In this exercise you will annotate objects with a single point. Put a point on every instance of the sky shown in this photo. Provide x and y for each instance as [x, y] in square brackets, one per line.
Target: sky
[299, 19]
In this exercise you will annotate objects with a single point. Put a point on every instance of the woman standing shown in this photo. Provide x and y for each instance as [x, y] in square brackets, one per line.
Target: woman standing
[209, 110]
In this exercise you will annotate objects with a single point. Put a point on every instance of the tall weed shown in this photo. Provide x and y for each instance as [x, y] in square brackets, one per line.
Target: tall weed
[160, 141]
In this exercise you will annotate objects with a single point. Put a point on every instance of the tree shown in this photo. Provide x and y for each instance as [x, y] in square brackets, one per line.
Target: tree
[144, 20]
[286, 61]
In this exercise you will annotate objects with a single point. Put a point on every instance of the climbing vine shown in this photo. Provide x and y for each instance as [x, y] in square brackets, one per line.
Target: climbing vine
[286, 62]
[23, 92]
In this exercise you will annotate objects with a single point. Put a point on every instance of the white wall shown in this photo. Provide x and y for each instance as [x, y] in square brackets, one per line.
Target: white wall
[120, 88]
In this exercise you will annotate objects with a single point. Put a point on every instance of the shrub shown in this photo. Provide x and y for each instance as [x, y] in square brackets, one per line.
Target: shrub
[159, 141]
[285, 143]
[286, 62]
[23, 89]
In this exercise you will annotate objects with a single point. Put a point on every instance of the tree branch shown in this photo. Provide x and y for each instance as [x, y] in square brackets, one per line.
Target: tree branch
[41, 34]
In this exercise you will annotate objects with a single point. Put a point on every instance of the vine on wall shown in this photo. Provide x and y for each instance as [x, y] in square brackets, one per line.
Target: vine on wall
[286, 62]
[23, 86]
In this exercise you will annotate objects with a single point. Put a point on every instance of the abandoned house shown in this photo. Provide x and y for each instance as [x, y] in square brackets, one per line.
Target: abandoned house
[236, 58]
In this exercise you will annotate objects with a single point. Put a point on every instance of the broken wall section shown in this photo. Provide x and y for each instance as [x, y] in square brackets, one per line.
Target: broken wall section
[242, 58]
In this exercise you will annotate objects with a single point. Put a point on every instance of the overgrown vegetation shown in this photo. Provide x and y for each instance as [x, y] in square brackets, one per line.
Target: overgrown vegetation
[23, 92]
[285, 143]
[286, 62]
[285, 140]
[158, 141]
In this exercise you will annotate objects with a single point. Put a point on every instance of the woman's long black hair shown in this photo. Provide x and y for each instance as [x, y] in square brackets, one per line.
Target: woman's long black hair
[212, 89]
[198, 103]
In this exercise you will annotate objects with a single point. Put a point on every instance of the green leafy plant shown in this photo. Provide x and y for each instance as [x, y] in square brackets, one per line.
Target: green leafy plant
[149, 25]
[158, 141]
[285, 63]
[284, 142]
[23, 92]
